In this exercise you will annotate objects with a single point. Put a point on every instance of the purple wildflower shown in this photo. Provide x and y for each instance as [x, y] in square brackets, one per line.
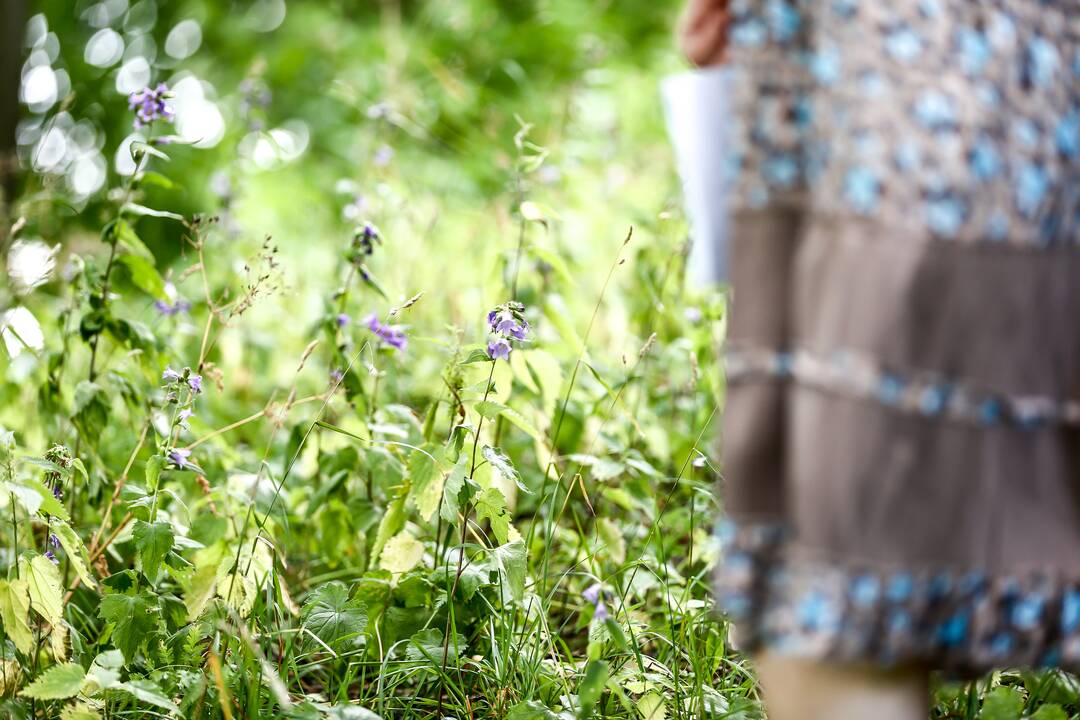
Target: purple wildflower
[57, 492]
[336, 376]
[52, 557]
[150, 105]
[366, 236]
[54, 541]
[592, 594]
[195, 383]
[389, 334]
[342, 320]
[383, 156]
[166, 308]
[179, 458]
[509, 321]
[499, 349]
[170, 375]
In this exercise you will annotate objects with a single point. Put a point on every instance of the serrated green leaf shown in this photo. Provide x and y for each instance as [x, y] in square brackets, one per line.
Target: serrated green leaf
[503, 465]
[43, 583]
[15, 613]
[491, 505]
[455, 481]
[531, 710]
[148, 692]
[427, 481]
[76, 551]
[401, 553]
[57, 683]
[392, 522]
[133, 618]
[80, 711]
[332, 617]
[511, 562]
[153, 542]
[1002, 703]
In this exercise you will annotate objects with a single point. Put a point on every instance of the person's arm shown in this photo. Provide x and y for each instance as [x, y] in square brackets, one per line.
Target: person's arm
[703, 33]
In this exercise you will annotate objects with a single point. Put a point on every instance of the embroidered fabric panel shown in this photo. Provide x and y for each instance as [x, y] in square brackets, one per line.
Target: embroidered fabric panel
[924, 393]
[967, 621]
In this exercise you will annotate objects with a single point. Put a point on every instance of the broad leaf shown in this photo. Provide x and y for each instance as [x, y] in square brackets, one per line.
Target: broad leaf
[491, 505]
[75, 550]
[427, 482]
[154, 541]
[15, 612]
[134, 619]
[43, 583]
[511, 561]
[332, 617]
[56, 683]
[502, 465]
[401, 553]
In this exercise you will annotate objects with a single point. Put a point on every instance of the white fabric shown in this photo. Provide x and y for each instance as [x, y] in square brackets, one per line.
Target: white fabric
[696, 107]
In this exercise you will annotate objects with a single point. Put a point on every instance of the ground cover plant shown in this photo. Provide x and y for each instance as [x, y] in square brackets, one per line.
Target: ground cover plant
[349, 372]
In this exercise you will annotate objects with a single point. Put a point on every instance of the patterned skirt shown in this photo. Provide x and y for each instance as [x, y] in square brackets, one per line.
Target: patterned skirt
[902, 427]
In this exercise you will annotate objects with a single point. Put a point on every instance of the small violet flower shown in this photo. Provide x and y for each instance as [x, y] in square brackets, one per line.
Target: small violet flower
[505, 323]
[170, 375]
[499, 349]
[54, 541]
[336, 376]
[195, 383]
[179, 458]
[593, 595]
[52, 557]
[174, 308]
[151, 104]
[389, 334]
[342, 320]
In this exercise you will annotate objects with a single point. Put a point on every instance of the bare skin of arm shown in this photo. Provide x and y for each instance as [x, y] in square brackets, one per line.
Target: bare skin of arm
[703, 31]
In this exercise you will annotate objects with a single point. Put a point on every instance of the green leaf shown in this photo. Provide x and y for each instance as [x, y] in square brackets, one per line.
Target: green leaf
[455, 481]
[153, 541]
[43, 583]
[427, 481]
[511, 561]
[401, 553]
[141, 211]
[592, 685]
[392, 522]
[80, 711]
[35, 497]
[143, 275]
[56, 683]
[428, 647]
[492, 505]
[503, 465]
[531, 710]
[134, 619]
[15, 612]
[76, 551]
[1002, 703]
[332, 617]
[1051, 711]
[148, 692]
[91, 409]
[612, 540]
